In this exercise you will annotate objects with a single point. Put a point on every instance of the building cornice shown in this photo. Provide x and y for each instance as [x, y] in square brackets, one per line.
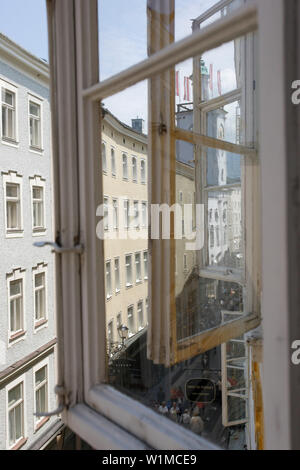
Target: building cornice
[23, 59]
[122, 128]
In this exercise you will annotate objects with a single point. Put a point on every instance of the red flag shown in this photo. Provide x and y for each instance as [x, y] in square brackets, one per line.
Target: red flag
[219, 82]
[211, 78]
[177, 84]
[186, 89]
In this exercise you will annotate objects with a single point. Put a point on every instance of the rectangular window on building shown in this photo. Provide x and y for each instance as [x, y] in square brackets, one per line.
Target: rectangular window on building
[16, 414]
[119, 320]
[136, 214]
[40, 297]
[104, 162]
[138, 271]
[41, 391]
[110, 333]
[113, 162]
[35, 125]
[13, 206]
[134, 169]
[144, 215]
[128, 266]
[16, 306]
[38, 207]
[140, 315]
[126, 214]
[130, 321]
[8, 114]
[108, 280]
[105, 213]
[115, 214]
[125, 166]
[117, 275]
[145, 264]
[143, 172]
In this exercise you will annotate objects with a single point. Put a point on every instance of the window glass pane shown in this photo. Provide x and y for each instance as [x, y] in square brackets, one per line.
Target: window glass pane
[225, 123]
[8, 97]
[12, 190]
[15, 287]
[223, 168]
[40, 375]
[34, 109]
[14, 395]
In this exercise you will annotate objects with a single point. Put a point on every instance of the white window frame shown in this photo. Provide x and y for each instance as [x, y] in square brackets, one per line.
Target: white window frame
[14, 178]
[144, 214]
[146, 264]
[123, 412]
[38, 181]
[41, 268]
[125, 175]
[38, 101]
[38, 420]
[134, 165]
[18, 274]
[20, 380]
[106, 213]
[104, 157]
[117, 276]
[130, 318]
[140, 317]
[109, 292]
[14, 89]
[126, 214]
[128, 284]
[136, 217]
[138, 279]
[113, 162]
[143, 172]
[115, 215]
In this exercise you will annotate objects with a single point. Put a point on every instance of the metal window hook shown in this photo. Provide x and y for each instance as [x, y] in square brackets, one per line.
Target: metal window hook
[60, 249]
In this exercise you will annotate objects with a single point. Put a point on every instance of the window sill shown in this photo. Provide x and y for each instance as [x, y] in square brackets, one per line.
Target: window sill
[108, 297]
[138, 281]
[18, 335]
[11, 233]
[37, 150]
[10, 142]
[38, 232]
[117, 291]
[20, 443]
[39, 324]
[128, 286]
[41, 423]
[157, 431]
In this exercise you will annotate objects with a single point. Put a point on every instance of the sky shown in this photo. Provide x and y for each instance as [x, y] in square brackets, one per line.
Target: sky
[122, 43]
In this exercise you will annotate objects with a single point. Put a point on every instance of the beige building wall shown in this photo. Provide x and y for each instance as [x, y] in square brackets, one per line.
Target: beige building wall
[123, 140]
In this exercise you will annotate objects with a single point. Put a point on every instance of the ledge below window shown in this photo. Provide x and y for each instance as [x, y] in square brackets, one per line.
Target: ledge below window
[20, 444]
[41, 423]
[16, 336]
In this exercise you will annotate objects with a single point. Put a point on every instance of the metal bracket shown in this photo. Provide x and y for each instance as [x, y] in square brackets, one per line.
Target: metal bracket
[60, 249]
[63, 398]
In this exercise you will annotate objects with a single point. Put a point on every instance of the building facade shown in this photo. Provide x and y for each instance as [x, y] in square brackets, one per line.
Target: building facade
[27, 324]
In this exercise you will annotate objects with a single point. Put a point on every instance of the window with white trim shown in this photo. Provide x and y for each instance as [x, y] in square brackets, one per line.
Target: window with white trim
[126, 213]
[40, 294]
[108, 280]
[113, 162]
[143, 172]
[138, 268]
[210, 289]
[130, 321]
[9, 114]
[41, 391]
[136, 216]
[140, 315]
[38, 207]
[117, 275]
[128, 270]
[35, 124]
[125, 166]
[144, 215]
[115, 214]
[16, 306]
[134, 170]
[13, 204]
[16, 412]
[145, 265]
[105, 213]
[104, 161]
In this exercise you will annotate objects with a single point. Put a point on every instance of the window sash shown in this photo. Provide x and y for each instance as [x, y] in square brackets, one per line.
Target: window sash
[84, 169]
[8, 117]
[35, 126]
[13, 208]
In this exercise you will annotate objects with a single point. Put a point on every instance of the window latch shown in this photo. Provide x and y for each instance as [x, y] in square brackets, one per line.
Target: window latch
[60, 249]
[61, 392]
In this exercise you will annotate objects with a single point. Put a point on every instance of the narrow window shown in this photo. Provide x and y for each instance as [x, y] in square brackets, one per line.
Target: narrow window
[16, 306]
[125, 167]
[38, 207]
[115, 214]
[143, 172]
[41, 390]
[108, 280]
[144, 215]
[128, 265]
[126, 214]
[8, 114]
[138, 273]
[117, 275]
[145, 264]
[140, 315]
[35, 125]
[113, 162]
[16, 413]
[104, 164]
[13, 206]
[130, 320]
[134, 170]
[40, 296]
[136, 214]
[105, 214]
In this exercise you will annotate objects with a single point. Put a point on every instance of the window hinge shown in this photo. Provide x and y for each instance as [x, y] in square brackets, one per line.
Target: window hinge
[63, 403]
[56, 248]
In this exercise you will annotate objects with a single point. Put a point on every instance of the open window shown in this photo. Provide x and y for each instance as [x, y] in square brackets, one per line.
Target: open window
[205, 150]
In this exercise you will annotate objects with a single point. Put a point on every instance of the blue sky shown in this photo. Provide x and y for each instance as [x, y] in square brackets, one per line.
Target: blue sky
[123, 41]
